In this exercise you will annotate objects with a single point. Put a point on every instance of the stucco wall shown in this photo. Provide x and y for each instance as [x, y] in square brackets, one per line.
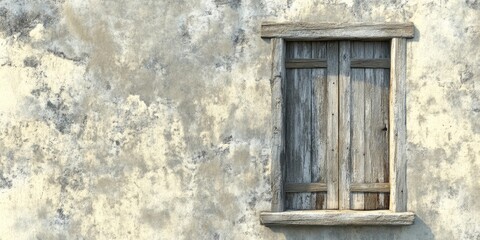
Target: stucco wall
[151, 119]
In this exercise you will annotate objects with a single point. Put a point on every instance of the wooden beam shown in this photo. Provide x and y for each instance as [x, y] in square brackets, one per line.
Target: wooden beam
[344, 217]
[305, 187]
[278, 131]
[397, 122]
[306, 63]
[370, 187]
[327, 31]
[370, 63]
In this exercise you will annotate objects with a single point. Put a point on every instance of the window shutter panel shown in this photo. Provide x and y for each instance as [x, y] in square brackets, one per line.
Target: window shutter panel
[299, 125]
[369, 124]
[336, 125]
[306, 125]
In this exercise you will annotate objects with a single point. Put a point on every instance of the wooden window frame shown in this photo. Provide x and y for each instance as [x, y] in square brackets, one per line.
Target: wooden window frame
[398, 34]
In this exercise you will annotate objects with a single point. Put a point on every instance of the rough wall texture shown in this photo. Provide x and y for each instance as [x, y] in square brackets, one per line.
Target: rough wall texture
[151, 119]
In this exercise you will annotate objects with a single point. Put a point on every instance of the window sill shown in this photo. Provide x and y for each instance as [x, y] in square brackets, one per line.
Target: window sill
[336, 217]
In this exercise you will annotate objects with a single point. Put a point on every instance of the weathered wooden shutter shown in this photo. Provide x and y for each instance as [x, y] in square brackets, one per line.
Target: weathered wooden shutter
[369, 124]
[336, 125]
[369, 82]
[306, 90]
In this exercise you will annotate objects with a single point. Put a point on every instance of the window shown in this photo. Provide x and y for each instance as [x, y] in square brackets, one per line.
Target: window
[338, 100]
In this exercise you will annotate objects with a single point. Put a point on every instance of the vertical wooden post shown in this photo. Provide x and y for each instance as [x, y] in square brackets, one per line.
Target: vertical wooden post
[344, 125]
[397, 122]
[332, 125]
[278, 112]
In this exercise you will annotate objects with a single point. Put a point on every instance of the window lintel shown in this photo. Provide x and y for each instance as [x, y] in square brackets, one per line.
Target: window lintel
[330, 31]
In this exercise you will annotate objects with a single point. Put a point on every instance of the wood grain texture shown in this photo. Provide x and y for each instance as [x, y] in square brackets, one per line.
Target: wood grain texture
[344, 125]
[325, 162]
[397, 131]
[319, 125]
[370, 118]
[370, 63]
[370, 187]
[382, 51]
[278, 116]
[306, 63]
[344, 217]
[337, 122]
[370, 143]
[358, 125]
[299, 126]
[328, 31]
[322, 63]
[332, 125]
[306, 187]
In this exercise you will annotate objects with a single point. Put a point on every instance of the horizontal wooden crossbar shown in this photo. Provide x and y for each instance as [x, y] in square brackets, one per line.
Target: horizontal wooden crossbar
[305, 187]
[322, 187]
[306, 63]
[370, 187]
[322, 63]
[370, 63]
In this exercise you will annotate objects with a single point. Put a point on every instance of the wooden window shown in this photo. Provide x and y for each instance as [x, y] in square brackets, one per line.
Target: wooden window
[336, 103]
[338, 100]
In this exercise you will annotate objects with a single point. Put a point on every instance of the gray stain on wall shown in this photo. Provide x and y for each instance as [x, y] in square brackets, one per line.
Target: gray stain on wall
[5, 182]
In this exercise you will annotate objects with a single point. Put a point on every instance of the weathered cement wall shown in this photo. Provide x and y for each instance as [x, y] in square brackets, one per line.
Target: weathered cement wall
[151, 119]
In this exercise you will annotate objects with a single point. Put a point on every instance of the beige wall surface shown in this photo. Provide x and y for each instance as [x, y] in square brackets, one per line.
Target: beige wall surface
[151, 119]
